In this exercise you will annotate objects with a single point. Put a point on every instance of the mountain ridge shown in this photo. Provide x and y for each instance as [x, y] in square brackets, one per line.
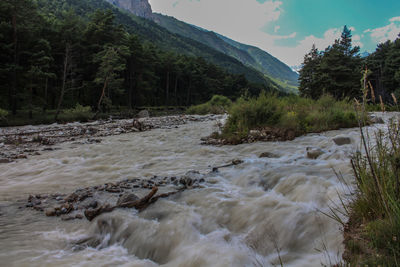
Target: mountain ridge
[250, 56]
[247, 54]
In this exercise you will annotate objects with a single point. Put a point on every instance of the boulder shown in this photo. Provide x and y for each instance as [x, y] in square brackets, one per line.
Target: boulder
[5, 161]
[255, 132]
[314, 153]
[268, 155]
[377, 120]
[342, 140]
[143, 114]
[50, 212]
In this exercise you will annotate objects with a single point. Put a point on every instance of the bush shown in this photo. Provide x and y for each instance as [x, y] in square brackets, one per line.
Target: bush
[78, 109]
[79, 113]
[217, 105]
[294, 113]
[3, 114]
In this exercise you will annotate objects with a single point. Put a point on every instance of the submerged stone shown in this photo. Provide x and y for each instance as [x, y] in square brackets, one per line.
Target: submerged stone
[342, 140]
[314, 153]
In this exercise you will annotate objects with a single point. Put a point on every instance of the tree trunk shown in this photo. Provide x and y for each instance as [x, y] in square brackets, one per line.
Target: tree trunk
[46, 87]
[176, 89]
[103, 92]
[13, 96]
[130, 87]
[64, 80]
[188, 93]
[167, 90]
[30, 102]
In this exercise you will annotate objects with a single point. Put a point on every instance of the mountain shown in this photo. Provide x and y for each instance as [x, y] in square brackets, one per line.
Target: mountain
[154, 34]
[248, 55]
[140, 8]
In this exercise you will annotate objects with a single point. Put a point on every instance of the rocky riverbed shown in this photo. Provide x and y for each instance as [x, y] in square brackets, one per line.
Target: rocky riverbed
[92, 201]
[27, 141]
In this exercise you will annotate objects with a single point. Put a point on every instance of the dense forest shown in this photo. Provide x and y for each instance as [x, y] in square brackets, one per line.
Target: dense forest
[339, 70]
[53, 57]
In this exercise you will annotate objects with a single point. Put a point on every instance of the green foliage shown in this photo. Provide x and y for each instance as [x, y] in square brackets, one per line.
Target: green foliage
[78, 109]
[3, 114]
[95, 54]
[384, 66]
[217, 105]
[298, 114]
[377, 204]
[336, 71]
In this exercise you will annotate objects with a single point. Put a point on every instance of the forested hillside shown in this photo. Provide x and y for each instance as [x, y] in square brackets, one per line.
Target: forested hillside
[248, 55]
[150, 31]
[55, 54]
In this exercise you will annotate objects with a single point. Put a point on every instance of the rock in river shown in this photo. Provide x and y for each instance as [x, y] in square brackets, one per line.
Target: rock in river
[342, 140]
[313, 153]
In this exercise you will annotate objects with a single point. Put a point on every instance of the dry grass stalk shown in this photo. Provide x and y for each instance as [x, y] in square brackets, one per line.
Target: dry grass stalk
[394, 98]
[382, 105]
[372, 92]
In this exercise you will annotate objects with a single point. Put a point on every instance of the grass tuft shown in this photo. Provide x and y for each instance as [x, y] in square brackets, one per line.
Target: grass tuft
[375, 212]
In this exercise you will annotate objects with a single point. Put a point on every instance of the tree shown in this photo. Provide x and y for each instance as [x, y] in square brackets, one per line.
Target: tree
[309, 75]
[336, 71]
[20, 26]
[39, 71]
[70, 29]
[111, 64]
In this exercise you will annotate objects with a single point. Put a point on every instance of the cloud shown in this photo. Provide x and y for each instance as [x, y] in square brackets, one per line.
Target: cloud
[388, 32]
[394, 19]
[276, 28]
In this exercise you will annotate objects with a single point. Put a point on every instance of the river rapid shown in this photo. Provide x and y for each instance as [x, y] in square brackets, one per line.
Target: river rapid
[252, 214]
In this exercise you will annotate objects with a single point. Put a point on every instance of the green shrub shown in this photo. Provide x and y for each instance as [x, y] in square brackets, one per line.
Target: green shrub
[3, 114]
[217, 105]
[78, 113]
[78, 109]
[301, 115]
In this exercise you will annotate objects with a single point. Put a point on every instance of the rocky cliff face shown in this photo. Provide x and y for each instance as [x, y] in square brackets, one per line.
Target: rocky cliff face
[140, 8]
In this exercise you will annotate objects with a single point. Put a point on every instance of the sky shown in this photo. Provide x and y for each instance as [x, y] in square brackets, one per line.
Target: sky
[287, 29]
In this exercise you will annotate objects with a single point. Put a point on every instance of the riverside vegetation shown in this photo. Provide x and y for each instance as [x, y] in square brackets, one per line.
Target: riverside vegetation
[373, 229]
[269, 117]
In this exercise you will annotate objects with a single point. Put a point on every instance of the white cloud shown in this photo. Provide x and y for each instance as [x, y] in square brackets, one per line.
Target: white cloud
[394, 19]
[276, 28]
[388, 32]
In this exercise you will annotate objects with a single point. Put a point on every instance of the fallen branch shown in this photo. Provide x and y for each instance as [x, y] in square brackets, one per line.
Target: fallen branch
[233, 163]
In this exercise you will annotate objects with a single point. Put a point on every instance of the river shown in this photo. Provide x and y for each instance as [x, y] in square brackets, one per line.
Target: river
[252, 214]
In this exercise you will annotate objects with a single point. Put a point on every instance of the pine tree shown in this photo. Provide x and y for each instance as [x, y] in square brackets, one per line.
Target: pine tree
[310, 74]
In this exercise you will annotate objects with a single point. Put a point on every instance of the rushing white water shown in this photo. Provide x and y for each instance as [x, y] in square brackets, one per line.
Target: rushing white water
[246, 215]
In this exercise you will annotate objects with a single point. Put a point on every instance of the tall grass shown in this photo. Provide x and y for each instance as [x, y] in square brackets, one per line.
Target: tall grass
[300, 115]
[374, 224]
